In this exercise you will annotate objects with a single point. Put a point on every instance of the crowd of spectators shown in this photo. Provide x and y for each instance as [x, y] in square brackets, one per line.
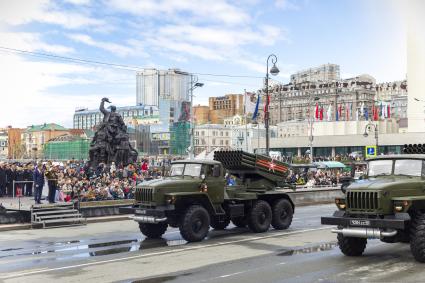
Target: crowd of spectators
[76, 180]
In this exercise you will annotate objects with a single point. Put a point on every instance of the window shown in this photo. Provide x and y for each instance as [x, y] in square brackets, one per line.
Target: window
[408, 167]
[380, 167]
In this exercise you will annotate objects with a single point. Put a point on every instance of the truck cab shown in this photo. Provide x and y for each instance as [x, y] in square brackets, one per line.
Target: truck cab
[387, 204]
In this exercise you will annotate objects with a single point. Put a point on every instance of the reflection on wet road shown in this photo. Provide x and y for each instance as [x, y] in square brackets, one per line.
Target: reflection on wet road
[20, 255]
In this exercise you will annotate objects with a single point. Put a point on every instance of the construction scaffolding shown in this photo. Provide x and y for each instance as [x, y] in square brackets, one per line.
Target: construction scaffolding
[71, 148]
[180, 138]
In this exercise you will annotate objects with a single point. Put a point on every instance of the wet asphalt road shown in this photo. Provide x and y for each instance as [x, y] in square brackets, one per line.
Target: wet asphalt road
[117, 252]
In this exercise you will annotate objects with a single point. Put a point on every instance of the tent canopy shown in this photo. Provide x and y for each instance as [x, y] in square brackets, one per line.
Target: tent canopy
[329, 164]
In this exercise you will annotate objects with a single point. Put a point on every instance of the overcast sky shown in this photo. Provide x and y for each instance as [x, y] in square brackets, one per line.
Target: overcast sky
[217, 36]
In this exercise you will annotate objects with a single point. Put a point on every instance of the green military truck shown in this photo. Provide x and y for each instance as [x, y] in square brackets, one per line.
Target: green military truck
[195, 196]
[388, 203]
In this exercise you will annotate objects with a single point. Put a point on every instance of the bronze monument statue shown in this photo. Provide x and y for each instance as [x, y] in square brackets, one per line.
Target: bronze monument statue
[111, 141]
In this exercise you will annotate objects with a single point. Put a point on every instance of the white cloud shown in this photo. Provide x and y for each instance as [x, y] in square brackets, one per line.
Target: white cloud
[114, 48]
[215, 11]
[78, 2]
[28, 98]
[19, 12]
[286, 5]
[31, 42]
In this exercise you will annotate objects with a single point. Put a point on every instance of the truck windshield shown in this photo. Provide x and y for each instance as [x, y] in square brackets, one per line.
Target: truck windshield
[408, 167]
[176, 169]
[193, 170]
[380, 168]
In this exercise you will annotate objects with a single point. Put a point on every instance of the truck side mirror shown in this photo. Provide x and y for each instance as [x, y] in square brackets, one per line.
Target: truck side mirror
[216, 171]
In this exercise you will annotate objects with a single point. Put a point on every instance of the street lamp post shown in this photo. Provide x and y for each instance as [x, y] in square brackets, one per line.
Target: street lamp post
[274, 71]
[311, 137]
[368, 128]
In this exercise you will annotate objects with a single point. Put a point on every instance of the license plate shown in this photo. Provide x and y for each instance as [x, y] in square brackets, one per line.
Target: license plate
[360, 222]
[141, 212]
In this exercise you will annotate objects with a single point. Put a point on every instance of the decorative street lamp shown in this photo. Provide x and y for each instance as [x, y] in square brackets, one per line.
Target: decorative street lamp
[311, 122]
[367, 129]
[274, 71]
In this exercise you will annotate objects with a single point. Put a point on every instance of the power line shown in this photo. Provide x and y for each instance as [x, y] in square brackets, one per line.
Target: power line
[113, 65]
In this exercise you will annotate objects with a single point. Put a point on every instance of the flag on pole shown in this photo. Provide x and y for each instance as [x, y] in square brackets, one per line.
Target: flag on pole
[321, 113]
[329, 112]
[317, 111]
[389, 111]
[255, 114]
[357, 114]
[366, 114]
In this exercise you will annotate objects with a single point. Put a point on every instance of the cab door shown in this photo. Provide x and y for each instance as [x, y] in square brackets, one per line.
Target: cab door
[215, 182]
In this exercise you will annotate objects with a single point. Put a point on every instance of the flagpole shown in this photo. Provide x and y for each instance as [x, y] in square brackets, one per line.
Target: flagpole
[246, 122]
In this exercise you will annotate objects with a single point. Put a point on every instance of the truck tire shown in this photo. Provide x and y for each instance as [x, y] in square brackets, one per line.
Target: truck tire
[239, 221]
[219, 225]
[195, 223]
[417, 236]
[282, 214]
[351, 246]
[260, 216]
[153, 230]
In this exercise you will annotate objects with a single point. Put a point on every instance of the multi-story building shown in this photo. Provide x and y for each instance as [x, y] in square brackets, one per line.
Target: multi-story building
[4, 143]
[35, 136]
[224, 107]
[245, 137]
[16, 149]
[209, 137]
[323, 73]
[89, 119]
[336, 100]
[201, 114]
[152, 84]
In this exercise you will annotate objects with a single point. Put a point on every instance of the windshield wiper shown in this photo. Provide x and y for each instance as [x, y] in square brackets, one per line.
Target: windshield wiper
[382, 174]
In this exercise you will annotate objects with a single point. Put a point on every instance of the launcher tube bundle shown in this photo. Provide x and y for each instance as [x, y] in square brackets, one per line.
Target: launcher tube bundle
[253, 167]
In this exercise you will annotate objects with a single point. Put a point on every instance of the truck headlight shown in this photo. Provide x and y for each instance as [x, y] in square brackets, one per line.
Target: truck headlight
[170, 199]
[340, 203]
[400, 206]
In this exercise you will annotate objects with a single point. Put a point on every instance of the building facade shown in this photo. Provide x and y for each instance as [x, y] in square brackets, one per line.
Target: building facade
[152, 84]
[89, 119]
[345, 100]
[4, 144]
[323, 73]
[209, 137]
[224, 107]
[201, 114]
[36, 136]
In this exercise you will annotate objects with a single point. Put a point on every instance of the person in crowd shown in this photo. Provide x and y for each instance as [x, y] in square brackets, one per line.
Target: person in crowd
[10, 177]
[52, 179]
[28, 179]
[2, 179]
[38, 178]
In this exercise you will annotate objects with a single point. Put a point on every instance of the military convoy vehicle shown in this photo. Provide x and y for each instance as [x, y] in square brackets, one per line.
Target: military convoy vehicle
[196, 196]
[388, 203]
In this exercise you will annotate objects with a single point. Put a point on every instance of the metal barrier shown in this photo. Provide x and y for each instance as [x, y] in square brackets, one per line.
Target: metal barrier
[13, 189]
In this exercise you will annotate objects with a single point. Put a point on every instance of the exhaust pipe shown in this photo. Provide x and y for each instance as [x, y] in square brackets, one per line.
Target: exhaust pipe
[368, 233]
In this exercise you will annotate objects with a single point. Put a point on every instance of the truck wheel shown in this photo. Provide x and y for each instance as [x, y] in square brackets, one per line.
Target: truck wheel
[239, 221]
[195, 224]
[417, 236]
[351, 246]
[260, 216]
[217, 225]
[153, 230]
[282, 214]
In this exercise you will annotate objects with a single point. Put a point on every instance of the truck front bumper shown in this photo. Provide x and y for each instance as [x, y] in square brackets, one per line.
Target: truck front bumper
[149, 215]
[396, 221]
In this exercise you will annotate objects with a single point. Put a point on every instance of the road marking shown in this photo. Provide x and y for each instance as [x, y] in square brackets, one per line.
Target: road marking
[231, 274]
[197, 247]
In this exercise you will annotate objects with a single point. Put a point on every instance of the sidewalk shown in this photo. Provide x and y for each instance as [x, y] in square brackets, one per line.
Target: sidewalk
[24, 226]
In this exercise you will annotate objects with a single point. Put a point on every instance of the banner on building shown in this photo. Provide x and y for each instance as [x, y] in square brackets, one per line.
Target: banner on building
[138, 120]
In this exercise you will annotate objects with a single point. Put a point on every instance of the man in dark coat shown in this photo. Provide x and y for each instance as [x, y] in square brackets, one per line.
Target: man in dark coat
[10, 177]
[52, 182]
[28, 178]
[38, 177]
[2, 179]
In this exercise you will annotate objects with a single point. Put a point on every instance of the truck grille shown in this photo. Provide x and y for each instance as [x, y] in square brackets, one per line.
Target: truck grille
[362, 200]
[144, 194]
